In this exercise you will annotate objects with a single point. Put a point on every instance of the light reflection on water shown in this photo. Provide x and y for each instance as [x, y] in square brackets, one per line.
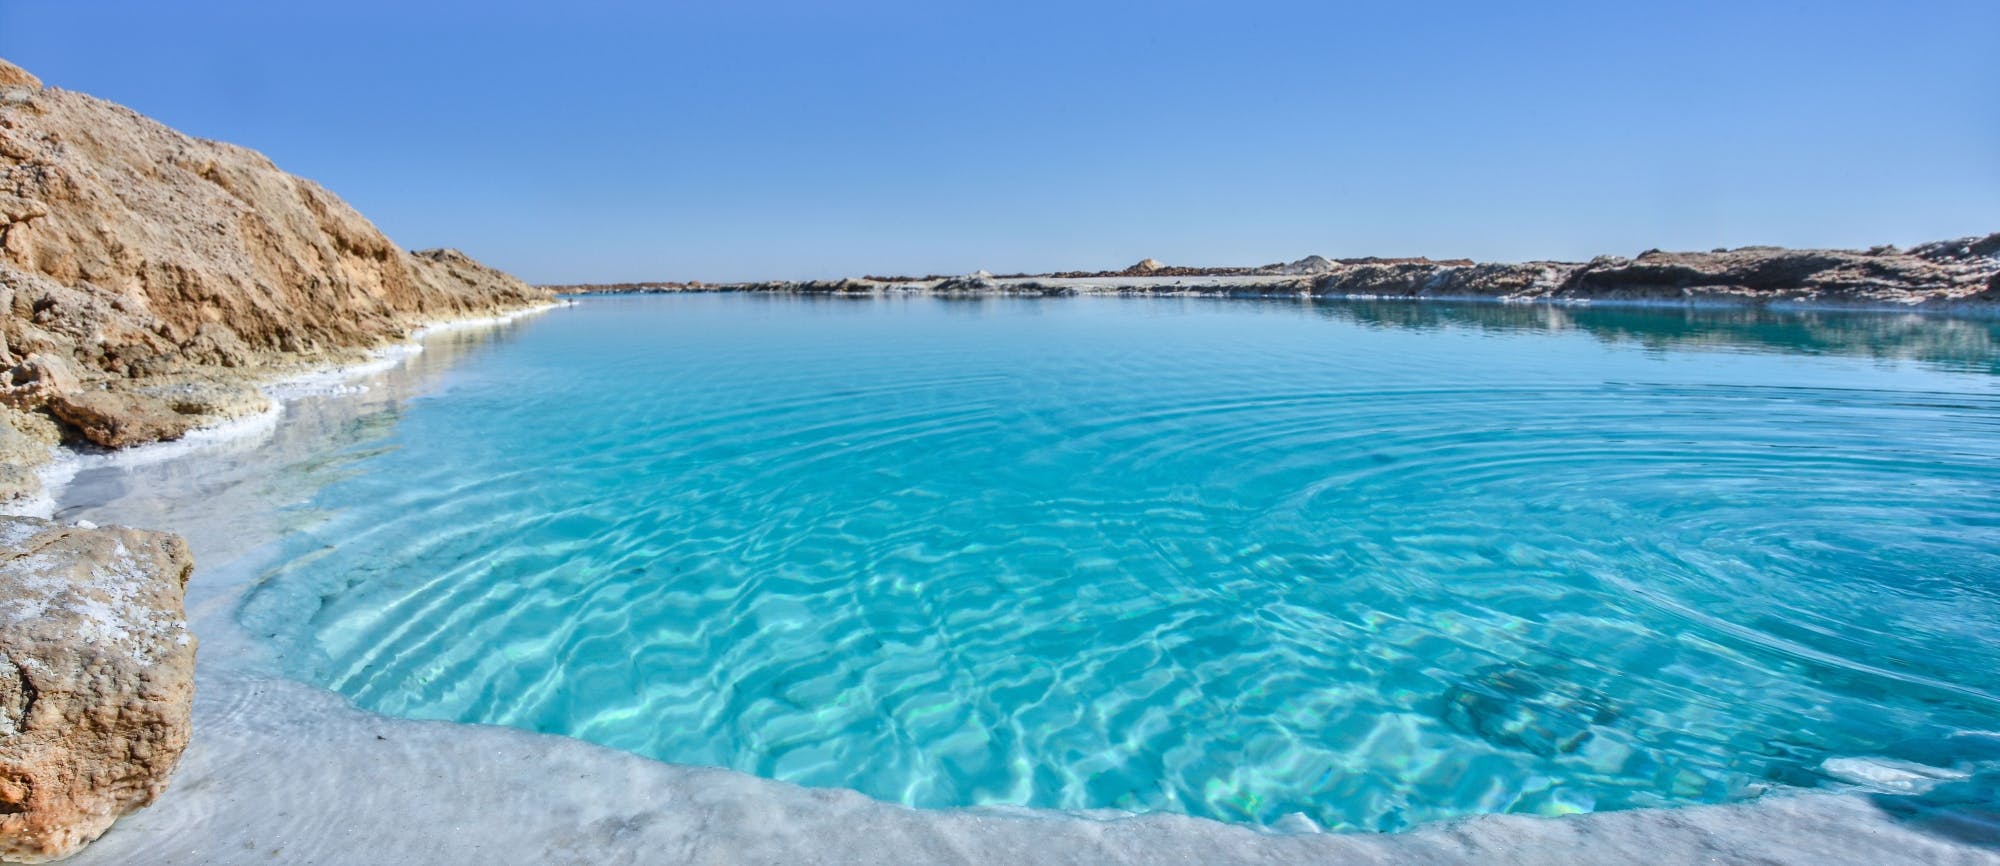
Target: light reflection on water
[1371, 563]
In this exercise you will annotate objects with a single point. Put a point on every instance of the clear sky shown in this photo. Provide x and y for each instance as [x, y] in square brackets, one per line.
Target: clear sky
[589, 141]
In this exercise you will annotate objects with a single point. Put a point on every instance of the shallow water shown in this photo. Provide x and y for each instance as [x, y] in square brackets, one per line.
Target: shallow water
[1370, 565]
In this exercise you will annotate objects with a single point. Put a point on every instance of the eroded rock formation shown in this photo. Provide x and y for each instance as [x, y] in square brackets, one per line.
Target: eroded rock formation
[96, 679]
[148, 278]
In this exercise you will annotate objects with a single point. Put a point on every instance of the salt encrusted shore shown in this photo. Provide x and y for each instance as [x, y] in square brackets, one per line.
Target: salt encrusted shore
[1956, 276]
[278, 386]
[96, 679]
[152, 282]
[85, 736]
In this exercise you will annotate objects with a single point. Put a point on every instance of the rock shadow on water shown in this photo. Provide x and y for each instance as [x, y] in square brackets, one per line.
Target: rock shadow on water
[1965, 809]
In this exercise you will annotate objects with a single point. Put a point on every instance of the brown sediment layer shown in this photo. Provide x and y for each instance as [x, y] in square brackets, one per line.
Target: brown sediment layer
[149, 279]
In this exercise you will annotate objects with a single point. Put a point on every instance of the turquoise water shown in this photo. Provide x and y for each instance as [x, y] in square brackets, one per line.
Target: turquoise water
[1371, 564]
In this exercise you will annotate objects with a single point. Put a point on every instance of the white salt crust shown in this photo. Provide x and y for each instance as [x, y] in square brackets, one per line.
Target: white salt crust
[329, 380]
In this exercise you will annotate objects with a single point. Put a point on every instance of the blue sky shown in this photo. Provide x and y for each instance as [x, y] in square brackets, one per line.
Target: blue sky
[590, 141]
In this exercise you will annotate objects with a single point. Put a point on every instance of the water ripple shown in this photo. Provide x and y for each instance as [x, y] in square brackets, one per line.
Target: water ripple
[1240, 561]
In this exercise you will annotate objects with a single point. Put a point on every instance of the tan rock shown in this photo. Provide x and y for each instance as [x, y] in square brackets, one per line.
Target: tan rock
[207, 398]
[215, 345]
[121, 418]
[38, 377]
[166, 237]
[15, 76]
[18, 89]
[96, 679]
[142, 254]
[14, 209]
[25, 442]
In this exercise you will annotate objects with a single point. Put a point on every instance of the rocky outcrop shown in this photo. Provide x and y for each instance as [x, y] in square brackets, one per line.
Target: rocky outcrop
[1940, 275]
[14, 77]
[136, 261]
[1309, 265]
[1962, 270]
[1937, 276]
[96, 679]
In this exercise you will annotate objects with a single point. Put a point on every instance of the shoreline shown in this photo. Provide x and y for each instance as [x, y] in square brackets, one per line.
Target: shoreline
[1945, 275]
[1953, 309]
[267, 748]
[279, 387]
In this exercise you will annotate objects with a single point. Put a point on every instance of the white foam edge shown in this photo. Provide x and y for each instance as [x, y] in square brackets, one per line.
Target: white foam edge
[448, 325]
[65, 462]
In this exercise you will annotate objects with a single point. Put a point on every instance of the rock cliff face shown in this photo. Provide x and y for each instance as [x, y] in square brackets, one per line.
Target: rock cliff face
[148, 279]
[96, 679]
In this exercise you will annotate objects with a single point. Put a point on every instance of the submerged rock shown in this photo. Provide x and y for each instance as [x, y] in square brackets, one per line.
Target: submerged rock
[1527, 707]
[96, 679]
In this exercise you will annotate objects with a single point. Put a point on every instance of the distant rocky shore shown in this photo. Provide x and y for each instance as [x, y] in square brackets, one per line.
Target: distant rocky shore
[150, 280]
[1946, 275]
